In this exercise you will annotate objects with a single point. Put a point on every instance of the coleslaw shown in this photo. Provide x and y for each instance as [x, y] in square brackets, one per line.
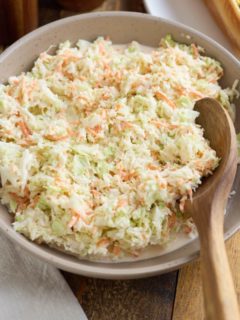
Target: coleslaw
[99, 149]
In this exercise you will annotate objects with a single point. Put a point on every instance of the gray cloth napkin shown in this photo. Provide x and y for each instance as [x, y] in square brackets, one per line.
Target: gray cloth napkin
[33, 290]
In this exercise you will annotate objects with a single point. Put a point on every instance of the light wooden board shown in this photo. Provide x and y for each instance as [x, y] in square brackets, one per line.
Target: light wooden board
[189, 299]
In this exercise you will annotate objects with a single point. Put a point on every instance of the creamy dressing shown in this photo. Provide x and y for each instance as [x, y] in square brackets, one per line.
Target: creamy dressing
[145, 49]
[153, 251]
[149, 192]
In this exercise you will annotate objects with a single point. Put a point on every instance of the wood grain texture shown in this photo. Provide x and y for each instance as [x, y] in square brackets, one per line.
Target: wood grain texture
[233, 251]
[50, 11]
[21, 17]
[140, 299]
[207, 209]
[189, 298]
[227, 15]
[77, 5]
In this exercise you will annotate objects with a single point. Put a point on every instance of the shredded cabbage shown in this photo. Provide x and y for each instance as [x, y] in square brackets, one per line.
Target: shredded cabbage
[99, 145]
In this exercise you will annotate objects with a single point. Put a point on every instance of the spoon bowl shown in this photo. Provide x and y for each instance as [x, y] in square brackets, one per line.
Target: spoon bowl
[220, 131]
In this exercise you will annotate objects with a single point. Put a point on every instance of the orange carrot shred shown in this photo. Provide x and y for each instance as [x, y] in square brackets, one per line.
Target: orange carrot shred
[55, 138]
[24, 128]
[162, 96]
[116, 250]
[195, 50]
[171, 221]
[103, 242]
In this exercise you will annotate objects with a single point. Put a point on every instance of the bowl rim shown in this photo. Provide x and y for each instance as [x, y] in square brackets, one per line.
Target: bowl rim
[79, 266]
[103, 14]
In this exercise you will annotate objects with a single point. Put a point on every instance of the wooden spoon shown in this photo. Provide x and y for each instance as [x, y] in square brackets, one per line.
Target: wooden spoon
[207, 210]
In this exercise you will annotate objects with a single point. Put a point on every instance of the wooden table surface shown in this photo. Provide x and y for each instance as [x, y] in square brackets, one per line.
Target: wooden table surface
[176, 295]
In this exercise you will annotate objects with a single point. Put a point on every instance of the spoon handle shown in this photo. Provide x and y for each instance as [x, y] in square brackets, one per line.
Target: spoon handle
[219, 293]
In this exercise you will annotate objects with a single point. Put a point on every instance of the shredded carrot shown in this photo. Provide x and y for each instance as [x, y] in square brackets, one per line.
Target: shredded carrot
[56, 138]
[101, 48]
[196, 94]
[82, 98]
[152, 167]
[75, 122]
[95, 130]
[180, 90]
[24, 128]
[187, 229]
[35, 201]
[136, 84]
[26, 192]
[155, 154]
[116, 250]
[162, 96]
[172, 220]
[126, 125]
[182, 203]
[192, 92]
[71, 133]
[105, 96]
[73, 221]
[95, 192]
[22, 202]
[122, 203]
[59, 67]
[17, 198]
[135, 253]
[103, 242]
[30, 88]
[162, 185]
[163, 124]
[68, 75]
[213, 80]
[82, 78]
[126, 176]
[118, 106]
[195, 51]
[80, 215]
[27, 143]
[69, 58]
[104, 114]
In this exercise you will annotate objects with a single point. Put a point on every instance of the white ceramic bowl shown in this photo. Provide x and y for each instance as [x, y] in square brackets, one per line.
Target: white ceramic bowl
[122, 27]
